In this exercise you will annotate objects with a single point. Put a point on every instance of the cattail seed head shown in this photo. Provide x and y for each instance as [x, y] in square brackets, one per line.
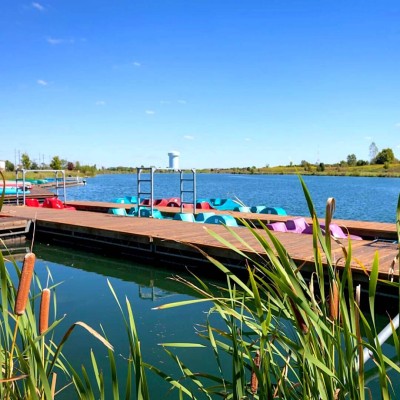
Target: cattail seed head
[334, 301]
[254, 379]
[24, 283]
[44, 311]
[299, 318]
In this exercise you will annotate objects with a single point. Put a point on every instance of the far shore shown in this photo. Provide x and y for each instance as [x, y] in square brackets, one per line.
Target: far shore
[373, 170]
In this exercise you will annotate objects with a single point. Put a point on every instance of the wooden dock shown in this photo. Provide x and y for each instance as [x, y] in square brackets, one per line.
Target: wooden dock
[11, 226]
[168, 241]
[365, 229]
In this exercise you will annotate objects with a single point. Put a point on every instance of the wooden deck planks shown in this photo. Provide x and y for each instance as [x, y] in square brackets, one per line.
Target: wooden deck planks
[366, 229]
[180, 235]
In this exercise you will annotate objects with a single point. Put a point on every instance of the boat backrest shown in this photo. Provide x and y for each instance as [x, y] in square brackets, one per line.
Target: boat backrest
[297, 225]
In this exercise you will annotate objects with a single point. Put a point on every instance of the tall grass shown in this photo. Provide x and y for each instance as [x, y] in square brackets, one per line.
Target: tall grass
[289, 337]
[286, 335]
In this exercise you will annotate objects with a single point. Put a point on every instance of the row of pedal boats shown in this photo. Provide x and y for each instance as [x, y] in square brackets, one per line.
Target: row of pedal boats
[204, 214]
[220, 204]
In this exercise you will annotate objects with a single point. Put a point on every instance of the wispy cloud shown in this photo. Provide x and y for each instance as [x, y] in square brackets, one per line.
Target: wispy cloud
[150, 112]
[369, 138]
[182, 101]
[38, 6]
[42, 82]
[247, 139]
[57, 41]
[397, 125]
[100, 103]
[137, 64]
[188, 137]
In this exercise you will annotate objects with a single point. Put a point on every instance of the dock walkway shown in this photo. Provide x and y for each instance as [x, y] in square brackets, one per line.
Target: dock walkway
[365, 229]
[168, 241]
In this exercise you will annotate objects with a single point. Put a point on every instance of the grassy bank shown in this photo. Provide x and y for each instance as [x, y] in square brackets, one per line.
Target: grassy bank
[373, 170]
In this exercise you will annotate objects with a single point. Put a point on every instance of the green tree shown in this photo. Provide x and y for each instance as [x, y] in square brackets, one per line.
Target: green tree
[9, 166]
[362, 162]
[351, 159]
[26, 161]
[321, 167]
[384, 156]
[56, 163]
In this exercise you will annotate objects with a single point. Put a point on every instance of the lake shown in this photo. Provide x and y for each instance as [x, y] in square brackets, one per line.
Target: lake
[358, 198]
[84, 294]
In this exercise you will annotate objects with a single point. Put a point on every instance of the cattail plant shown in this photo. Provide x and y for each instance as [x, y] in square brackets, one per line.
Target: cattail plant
[24, 283]
[44, 311]
[254, 379]
[22, 298]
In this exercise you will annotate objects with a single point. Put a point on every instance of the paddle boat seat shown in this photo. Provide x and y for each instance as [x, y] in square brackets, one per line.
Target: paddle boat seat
[277, 227]
[227, 220]
[118, 211]
[201, 217]
[54, 202]
[297, 225]
[338, 233]
[146, 213]
[273, 210]
[187, 217]
[32, 203]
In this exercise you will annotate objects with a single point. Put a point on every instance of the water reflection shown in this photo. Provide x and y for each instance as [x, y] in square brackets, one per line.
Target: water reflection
[84, 295]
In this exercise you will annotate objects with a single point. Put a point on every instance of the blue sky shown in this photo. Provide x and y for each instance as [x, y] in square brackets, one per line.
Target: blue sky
[226, 83]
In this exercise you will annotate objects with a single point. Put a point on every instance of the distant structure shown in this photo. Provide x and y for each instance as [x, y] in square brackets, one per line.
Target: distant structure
[2, 165]
[173, 160]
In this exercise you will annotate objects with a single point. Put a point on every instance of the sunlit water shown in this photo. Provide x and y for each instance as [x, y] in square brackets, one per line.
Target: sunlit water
[357, 198]
[84, 294]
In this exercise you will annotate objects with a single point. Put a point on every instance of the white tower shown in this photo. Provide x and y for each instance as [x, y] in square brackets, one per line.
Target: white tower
[173, 160]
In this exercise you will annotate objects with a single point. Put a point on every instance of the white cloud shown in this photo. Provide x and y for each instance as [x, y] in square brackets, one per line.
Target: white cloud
[247, 139]
[369, 138]
[38, 6]
[150, 112]
[137, 64]
[41, 82]
[100, 103]
[188, 137]
[54, 41]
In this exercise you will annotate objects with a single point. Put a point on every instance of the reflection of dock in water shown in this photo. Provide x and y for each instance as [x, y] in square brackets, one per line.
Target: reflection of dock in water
[152, 292]
[14, 248]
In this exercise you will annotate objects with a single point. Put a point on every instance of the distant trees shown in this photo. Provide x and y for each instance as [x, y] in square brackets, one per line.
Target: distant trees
[25, 161]
[384, 156]
[351, 159]
[373, 151]
[56, 163]
[9, 166]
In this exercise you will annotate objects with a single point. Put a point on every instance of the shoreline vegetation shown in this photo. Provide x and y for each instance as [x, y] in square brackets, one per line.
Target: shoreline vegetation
[371, 170]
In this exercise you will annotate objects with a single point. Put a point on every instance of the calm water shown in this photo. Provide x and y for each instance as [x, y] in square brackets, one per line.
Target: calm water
[84, 294]
[367, 199]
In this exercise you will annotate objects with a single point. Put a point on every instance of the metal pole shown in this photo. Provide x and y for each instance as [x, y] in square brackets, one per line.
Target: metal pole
[383, 336]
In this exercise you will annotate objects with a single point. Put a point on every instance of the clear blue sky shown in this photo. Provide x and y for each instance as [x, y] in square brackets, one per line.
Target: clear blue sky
[226, 83]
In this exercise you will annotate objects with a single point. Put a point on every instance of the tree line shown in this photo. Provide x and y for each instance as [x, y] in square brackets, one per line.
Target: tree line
[56, 163]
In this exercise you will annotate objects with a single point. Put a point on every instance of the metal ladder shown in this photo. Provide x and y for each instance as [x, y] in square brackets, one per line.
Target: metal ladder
[148, 190]
[145, 187]
[189, 179]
